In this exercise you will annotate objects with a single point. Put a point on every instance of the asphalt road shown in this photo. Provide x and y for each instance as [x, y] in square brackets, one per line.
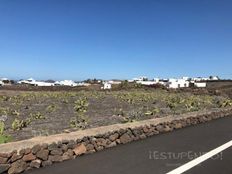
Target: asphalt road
[158, 154]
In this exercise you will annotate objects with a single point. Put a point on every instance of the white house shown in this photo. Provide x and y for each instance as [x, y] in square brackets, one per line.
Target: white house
[198, 79]
[177, 83]
[214, 78]
[156, 80]
[37, 83]
[4, 79]
[200, 84]
[142, 78]
[1, 83]
[83, 84]
[114, 82]
[106, 85]
[147, 83]
[29, 81]
[65, 83]
[186, 78]
[33, 82]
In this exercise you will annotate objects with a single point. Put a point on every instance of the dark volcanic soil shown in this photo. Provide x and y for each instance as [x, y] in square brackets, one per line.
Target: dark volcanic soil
[31, 114]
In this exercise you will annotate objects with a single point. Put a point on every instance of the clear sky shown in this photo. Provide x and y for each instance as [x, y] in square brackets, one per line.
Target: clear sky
[71, 39]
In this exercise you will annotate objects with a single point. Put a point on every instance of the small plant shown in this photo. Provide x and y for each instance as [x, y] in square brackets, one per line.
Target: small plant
[51, 108]
[225, 103]
[81, 105]
[37, 116]
[3, 138]
[153, 111]
[2, 127]
[120, 112]
[80, 122]
[65, 101]
[18, 124]
[4, 111]
[132, 116]
[16, 113]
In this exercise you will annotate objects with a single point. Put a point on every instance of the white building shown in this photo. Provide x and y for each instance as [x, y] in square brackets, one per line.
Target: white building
[214, 78]
[186, 78]
[37, 83]
[65, 83]
[177, 83]
[33, 82]
[156, 80]
[4, 79]
[147, 83]
[198, 79]
[1, 83]
[29, 81]
[114, 82]
[106, 85]
[142, 78]
[83, 84]
[200, 84]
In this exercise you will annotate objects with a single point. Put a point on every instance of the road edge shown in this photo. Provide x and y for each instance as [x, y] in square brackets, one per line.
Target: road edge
[37, 152]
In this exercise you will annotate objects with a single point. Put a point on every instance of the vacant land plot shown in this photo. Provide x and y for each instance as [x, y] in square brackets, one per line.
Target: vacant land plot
[27, 114]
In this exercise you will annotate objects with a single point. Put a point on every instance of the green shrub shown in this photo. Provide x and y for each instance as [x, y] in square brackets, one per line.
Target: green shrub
[81, 105]
[2, 127]
[37, 116]
[5, 139]
[18, 124]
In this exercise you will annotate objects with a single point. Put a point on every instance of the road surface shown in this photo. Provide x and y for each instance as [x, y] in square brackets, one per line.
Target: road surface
[158, 154]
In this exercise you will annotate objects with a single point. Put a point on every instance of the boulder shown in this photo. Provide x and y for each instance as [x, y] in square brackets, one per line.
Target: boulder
[15, 157]
[125, 138]
[46, 163]
[36, 163]
[4, 167]
[143, 136]
[24, 151]
[145, 129]
[52, 146]
[7, 155]
[3, 160]
[29, 157]
[80, 149]
[35, 149]
[167, 129]
[17, 167]
[68, 155]
[56, 152]
[89, 147]
[43, 154]
[113, 137]
[55, 158]
[64, 147]
[178, 126]
[101, 142]
[71, 144]
[112, 144]
[160, 128]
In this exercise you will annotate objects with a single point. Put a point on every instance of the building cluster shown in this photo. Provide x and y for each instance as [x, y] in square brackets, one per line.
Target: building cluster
[33, 82]
[173, 83]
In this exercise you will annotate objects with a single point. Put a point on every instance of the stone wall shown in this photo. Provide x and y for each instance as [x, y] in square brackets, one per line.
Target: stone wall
[17, 157]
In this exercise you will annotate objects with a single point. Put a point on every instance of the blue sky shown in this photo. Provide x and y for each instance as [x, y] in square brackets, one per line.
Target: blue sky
[65, 39]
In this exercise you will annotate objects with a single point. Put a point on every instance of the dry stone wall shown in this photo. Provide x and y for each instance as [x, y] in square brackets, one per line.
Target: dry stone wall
[17, 157]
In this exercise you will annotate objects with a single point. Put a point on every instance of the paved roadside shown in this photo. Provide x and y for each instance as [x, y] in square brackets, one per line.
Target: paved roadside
[158, 154]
